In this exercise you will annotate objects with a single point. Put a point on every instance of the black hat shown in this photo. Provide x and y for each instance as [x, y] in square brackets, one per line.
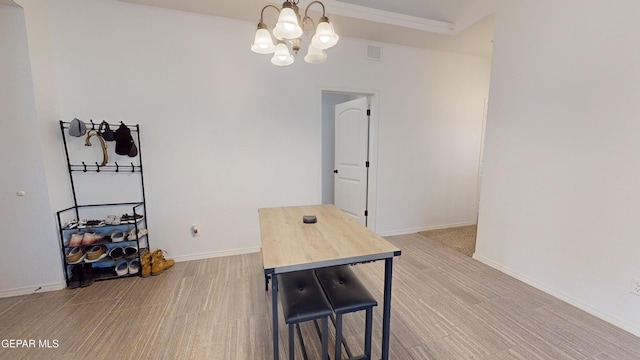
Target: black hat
[106, 133]
[123, 140]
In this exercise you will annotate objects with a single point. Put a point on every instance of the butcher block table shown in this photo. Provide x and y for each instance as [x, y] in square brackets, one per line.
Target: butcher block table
[289, 244]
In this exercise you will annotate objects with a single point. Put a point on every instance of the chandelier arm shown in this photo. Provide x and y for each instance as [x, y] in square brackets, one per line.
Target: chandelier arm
[314, 2]
[313, 23]
[264, 8]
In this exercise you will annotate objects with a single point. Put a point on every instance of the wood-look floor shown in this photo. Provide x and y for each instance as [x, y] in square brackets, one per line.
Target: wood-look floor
[445, 306]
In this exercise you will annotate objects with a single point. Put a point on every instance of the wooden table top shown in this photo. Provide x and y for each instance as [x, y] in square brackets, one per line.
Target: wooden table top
[288, 244]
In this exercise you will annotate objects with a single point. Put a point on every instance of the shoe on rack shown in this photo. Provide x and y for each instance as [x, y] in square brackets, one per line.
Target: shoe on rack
[75, 240]
[91, 237]
[117, 236]
[75, 255]
[122, 267]
[130, 252]
[145, 258]
[132, 233]
[130, 218]
[86, 275]
[74, 280]
[97, 252]
[159, 263]
[134, 266]
[116, 253]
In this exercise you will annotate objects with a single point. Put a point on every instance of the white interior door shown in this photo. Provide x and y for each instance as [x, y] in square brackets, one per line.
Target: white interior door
[351, 158]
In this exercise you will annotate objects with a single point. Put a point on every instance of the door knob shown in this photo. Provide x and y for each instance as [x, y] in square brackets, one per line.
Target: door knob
[335, 171]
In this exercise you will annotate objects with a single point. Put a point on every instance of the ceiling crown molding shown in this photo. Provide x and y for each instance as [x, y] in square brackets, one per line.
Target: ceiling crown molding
[381, 16]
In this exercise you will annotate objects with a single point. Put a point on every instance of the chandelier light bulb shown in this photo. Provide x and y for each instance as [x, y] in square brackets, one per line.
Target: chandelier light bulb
[263, 44]
[315, 55]
[325, 36]
[287, 26]
[281, 56]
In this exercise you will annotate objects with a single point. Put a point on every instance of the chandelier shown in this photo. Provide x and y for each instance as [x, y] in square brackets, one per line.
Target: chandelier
[288, 31]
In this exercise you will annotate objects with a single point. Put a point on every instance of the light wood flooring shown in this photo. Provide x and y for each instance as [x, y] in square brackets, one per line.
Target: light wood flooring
[445, 306]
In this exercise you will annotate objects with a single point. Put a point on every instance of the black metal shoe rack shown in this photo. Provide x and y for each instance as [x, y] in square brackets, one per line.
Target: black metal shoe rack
[103, 269]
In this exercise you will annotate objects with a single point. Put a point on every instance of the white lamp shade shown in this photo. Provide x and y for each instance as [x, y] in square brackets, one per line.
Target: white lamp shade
[281, 56]
[287, 26]
[325, 37]
[315, 55]
[263, 44]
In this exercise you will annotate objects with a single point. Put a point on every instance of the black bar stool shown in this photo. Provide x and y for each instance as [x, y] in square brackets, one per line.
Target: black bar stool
[347, 294]
[303, 300]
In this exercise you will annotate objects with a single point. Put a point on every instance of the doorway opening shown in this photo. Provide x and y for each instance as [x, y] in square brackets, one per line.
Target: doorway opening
[348, 148]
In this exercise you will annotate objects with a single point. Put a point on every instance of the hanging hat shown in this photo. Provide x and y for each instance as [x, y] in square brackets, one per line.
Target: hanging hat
[134, 150]
[77, 128]
[106, 132]
[123, 140]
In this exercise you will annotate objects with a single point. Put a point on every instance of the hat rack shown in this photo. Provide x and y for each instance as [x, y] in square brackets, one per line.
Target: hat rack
[97, 167]
[94, 177]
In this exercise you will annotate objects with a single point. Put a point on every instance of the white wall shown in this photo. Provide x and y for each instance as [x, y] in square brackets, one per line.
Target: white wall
[560, 194]
[224, 132]
[30, 255]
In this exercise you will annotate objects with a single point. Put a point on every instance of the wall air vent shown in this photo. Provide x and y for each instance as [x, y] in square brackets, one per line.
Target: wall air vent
[374, 52]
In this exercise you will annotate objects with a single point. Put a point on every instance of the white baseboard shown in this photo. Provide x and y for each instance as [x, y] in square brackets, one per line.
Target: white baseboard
[28, 290]
[611, 319]
[216, 254]
[427, 228]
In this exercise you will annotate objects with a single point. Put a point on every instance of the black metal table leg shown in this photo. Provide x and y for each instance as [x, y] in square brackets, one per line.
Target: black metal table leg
[274, 307]
[386, 311]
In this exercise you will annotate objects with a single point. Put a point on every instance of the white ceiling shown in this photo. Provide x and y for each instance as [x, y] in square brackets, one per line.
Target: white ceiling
[464, 26]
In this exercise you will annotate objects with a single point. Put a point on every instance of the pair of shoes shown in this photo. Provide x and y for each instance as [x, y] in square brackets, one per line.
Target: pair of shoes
[124, 267]
[75, 239]
[159, 263]
[132, 233]
[120, 252]
[97, 252]
[75, 255]
[91, 237]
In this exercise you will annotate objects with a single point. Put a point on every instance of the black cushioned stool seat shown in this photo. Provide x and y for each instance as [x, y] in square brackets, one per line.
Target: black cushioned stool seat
[303, 300]
[347, 294]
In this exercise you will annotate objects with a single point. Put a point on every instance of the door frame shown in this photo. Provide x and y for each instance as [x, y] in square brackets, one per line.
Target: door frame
[374, 119]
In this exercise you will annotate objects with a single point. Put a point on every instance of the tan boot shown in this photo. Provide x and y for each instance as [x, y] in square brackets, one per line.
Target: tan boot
[145, 258]
[159, 263]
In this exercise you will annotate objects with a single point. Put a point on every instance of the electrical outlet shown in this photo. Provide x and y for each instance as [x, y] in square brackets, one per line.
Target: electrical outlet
[635, 286]
[195, 231]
